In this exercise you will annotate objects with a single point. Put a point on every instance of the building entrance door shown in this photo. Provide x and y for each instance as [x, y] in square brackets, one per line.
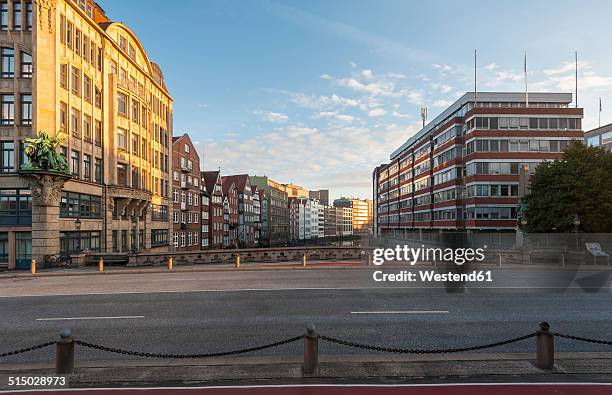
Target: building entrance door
[23, 250]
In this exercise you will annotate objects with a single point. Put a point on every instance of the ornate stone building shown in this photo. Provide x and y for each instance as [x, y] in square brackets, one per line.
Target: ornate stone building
[66, 67]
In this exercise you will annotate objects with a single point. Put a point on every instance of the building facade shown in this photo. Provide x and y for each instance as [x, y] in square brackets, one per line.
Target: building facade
[599, 137]
[362, 213]
[186, 195]
[461, 171]
[212, 181]
[333, 221]
[66, 67]
[230, 212]
[278, 210]
[322, 195]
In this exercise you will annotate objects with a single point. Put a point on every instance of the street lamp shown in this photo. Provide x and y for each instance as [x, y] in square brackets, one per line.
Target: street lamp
[576, 227]
[77, 225]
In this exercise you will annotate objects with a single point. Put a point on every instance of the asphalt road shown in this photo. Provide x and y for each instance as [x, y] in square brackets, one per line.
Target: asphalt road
[220, 311]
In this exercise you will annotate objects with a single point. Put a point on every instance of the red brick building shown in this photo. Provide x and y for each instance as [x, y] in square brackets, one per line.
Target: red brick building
[212, 181]
[230, 212]
[186, 194]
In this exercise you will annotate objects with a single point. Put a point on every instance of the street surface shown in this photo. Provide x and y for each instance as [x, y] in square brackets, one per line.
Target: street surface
[219, 311]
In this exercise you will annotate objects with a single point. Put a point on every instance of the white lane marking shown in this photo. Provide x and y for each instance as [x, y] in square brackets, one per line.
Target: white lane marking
[403, 312]
[123, 317]
[276, 289]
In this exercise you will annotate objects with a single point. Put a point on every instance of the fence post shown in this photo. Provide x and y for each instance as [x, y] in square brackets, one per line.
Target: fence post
[237, 260]
[305, 260]
[170, 263]
[64, 353]
[33, 266]
[545, 347]
[101, 264]
[311, 350]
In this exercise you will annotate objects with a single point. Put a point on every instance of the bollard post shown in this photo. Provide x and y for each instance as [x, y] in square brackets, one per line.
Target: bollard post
[101, 264]
[170, 263]
[64, 353]
[305, 260]
[33, 266]
[369, 259]
[562, 259]
[500, 259]
[311, 350]
[545, 347]
[237, 260]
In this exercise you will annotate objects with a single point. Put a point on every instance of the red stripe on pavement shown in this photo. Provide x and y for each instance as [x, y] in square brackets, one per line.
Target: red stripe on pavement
[471, 389]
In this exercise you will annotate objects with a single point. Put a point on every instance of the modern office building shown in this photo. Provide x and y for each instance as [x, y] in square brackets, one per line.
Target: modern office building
[322, 195]
[599, 137]
[277, 228]
[333, 221]
[294, 190]
[362, 213]
[66, 67]
[186, 195]
[461, 171]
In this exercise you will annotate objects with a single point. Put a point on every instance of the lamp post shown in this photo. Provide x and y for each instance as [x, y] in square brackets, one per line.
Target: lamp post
[576, 228]
[77, 226]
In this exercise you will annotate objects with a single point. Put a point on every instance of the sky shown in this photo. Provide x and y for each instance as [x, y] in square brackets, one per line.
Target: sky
[318, 93]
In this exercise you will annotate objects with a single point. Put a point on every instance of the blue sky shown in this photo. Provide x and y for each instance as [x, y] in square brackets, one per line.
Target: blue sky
[319, 92]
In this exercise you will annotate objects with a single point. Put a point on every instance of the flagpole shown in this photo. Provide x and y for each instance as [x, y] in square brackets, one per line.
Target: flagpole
[599, 111]
[576, 57]
[526, 91]
[475, 90]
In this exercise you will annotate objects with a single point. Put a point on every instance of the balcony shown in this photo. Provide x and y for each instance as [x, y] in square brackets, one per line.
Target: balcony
[185, 169]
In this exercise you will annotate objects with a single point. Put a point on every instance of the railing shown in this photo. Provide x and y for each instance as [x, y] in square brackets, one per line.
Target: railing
[65, 346]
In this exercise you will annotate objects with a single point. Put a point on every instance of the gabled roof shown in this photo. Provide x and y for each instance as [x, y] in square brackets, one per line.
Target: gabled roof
[240, 180]
[210, 179]
[227, 183]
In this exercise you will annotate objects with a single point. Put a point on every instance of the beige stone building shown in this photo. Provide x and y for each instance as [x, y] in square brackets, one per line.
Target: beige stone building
[362, 214]
[66, 67]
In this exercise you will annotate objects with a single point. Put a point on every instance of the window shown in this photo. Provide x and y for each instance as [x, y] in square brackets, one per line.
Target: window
[7, 160]
[17, 15]
[26, 109]
[87, 167]
[85, 48]
[63, 29]
[122, 174]
[8, 110]
[135, 111]
[63, 116]
[87, 128]
[175, 239]
[98, 133]
[122, 139]
[28, 16]
[98, 170]
[4, 16]
[69, 29]
[15, 207]
[135, 178]
[159, 237]
[75, 161]
[64, 76]
[75, 81]
[79, 241]
[122, 104]
[183, 239]
[87, 88]
[134, 144]
[186, 149]
[26, 65]
[75, 120]
[8, 62]
[176, 196]
[77, 42]
[99, 62]
[98, 98]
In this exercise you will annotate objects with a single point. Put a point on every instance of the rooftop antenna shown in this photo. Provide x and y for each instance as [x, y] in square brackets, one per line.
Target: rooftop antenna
[525, 70]
[475, 90]
[424, 115]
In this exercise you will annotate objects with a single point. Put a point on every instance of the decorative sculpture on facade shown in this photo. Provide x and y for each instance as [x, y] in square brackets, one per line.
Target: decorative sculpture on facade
[43, 155]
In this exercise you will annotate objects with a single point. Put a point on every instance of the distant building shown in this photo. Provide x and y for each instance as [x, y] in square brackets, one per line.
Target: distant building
[278, 214]
[322, 195]
[599, 137]
[294, 190]
[230, 212]
[256, 214]
[347, 221]
[246, 217]
[333, 221]
[362, 214]
[212, 180]
[187, 193]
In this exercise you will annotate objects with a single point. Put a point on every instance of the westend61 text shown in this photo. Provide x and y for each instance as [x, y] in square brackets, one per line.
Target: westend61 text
[433, 276]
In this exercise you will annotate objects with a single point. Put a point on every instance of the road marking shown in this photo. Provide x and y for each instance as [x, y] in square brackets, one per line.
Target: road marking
[91, 318]
[403, 312]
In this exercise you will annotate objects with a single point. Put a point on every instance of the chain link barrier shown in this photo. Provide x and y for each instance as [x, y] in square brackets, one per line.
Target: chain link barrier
[424, 351]
[186, 356]
[28, 349]
[583, 339]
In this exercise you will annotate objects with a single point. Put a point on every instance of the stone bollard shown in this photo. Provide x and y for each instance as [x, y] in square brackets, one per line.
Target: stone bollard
[170, 263]
[101, 264]
[311, 350]
[64, 353]
[33, 266]
[237, 260]
[545, 347]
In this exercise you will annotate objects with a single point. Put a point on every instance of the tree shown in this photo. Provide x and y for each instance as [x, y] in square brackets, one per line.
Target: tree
[579, 184]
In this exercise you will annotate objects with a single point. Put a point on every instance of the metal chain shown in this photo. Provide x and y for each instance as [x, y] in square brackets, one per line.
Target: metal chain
[28, 349]
[425, 351]
[183, 356]
[584, 339]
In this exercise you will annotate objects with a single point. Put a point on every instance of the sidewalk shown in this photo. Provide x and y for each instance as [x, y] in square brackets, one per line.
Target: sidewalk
[499, 367]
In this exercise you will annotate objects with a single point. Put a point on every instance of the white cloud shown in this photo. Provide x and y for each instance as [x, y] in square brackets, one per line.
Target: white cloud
[441, 103]
[491, 66]
[367, 74]
[298, 131]
[398, 115]
[326, 77]
[377, 112]
[445, 88]
[271, 116]
[335, 115]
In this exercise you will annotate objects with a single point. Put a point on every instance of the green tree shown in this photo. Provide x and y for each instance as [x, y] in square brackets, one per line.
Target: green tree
[579, 184]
